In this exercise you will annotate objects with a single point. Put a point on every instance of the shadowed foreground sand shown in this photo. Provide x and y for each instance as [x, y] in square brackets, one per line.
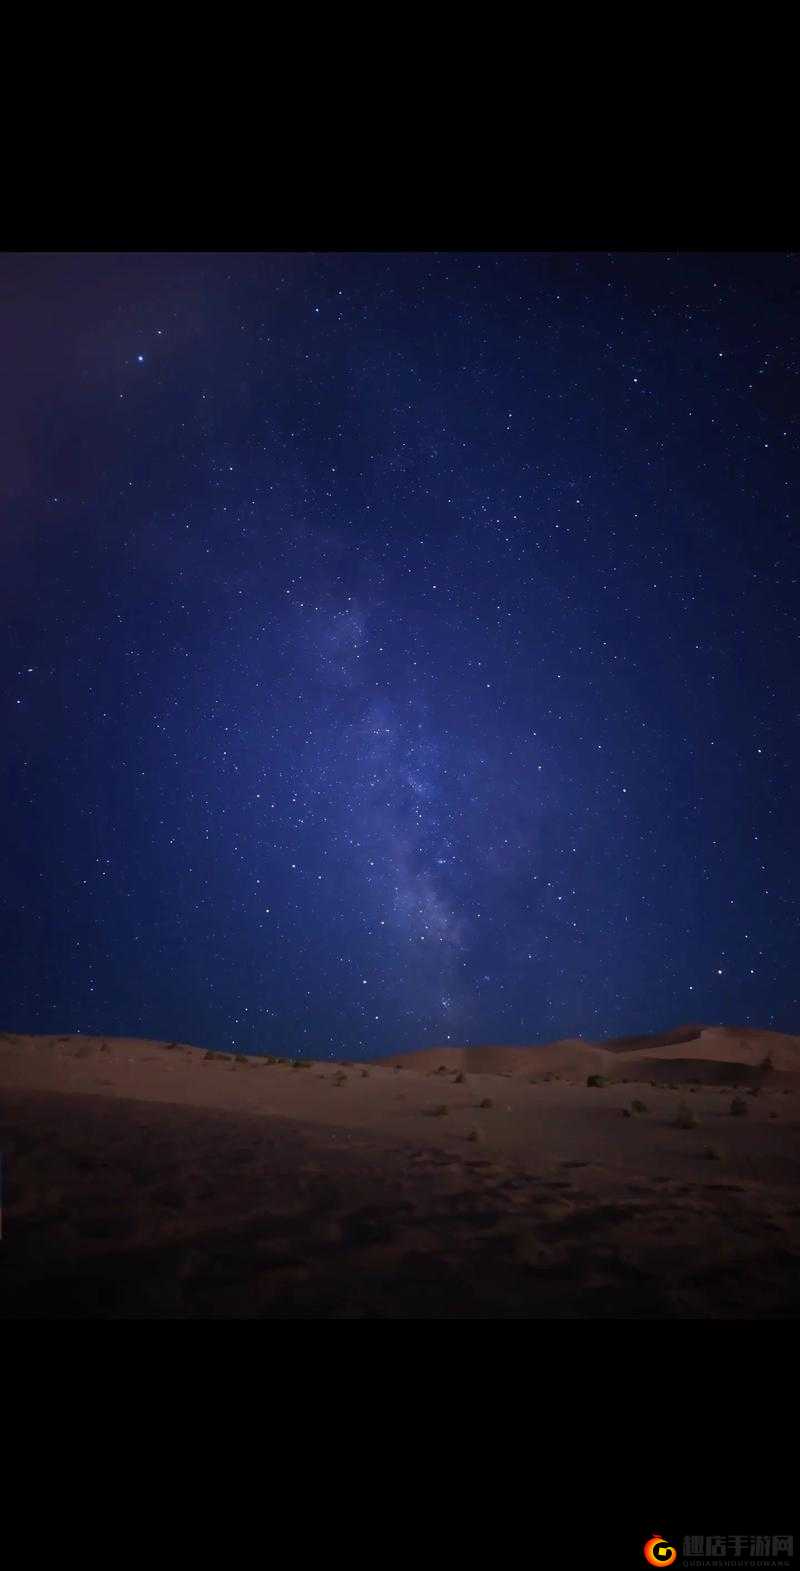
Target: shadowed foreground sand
[143, 1179]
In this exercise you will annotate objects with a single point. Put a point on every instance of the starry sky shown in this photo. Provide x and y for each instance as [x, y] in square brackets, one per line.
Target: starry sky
[399, 648]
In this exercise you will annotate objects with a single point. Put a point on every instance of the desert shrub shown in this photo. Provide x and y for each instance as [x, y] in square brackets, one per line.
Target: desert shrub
[597, 1080]
[637, 1106]
[711, 1154]
[365, 1074]
[440, 1110]
[738, 1107]
[684, 1117]
[301, 1063]
[487, 1102]
[460, 1078]
[474, 1134]
[626, 1112]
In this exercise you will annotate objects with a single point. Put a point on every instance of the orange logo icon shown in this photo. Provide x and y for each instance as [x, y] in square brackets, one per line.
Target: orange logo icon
[657, 1552]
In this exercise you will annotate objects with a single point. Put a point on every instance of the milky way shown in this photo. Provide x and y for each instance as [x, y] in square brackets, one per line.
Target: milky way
[399, 649]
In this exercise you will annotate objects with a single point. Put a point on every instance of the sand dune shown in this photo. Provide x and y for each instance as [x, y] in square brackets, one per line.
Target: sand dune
[157, 1179]
[732, 1049]
[570, 1056]
[718, 1055]
[712, 1054]
[629, 1044]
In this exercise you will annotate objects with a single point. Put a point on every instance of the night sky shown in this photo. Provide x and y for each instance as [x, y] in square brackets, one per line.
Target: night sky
[398, 648]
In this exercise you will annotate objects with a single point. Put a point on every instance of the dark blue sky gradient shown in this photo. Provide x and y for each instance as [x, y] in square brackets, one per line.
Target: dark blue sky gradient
[399, 648]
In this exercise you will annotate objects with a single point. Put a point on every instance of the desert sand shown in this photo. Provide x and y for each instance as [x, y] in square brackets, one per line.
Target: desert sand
[148, 1179]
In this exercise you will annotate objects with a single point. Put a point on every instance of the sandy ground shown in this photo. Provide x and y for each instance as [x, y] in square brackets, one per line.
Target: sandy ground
[145, 1179]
